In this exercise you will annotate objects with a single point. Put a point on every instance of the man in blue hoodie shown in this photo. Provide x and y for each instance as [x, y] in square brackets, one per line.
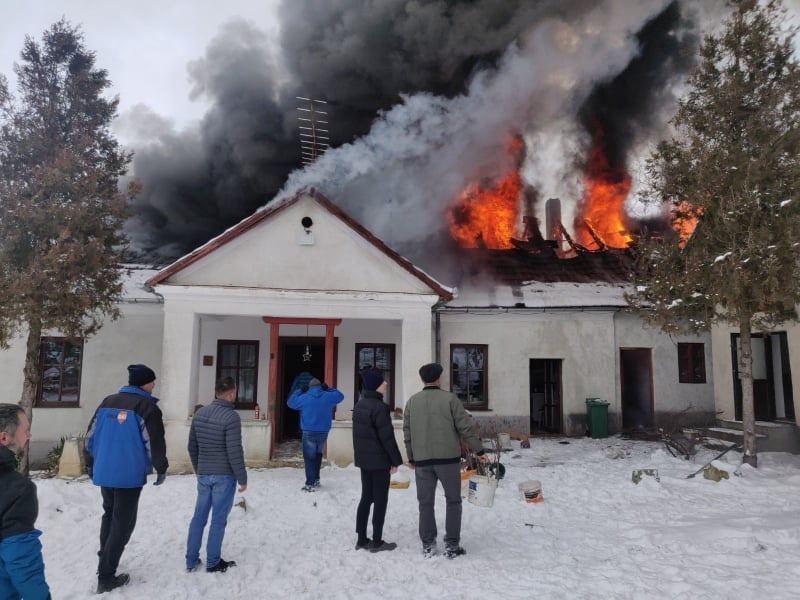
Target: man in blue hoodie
[125, 441]
[21, 564]
[315, 402]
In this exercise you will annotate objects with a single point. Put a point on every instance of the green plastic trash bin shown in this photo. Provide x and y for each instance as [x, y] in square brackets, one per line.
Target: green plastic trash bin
[597, 417]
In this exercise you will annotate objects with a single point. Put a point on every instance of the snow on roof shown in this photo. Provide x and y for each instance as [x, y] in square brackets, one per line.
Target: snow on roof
[133, 283]
[542, 296]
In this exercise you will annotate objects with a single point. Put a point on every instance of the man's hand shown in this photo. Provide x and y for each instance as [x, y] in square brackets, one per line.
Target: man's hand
[243, 487]
[393, 470]
[160, 478]
[411, 465]
[324, 387]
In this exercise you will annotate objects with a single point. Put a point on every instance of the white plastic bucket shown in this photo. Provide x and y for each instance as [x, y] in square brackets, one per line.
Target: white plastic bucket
[531, 491]
[504, 440]
[481, 490]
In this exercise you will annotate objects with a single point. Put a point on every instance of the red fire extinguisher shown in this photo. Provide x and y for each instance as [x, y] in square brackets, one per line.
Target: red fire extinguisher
[257, 411]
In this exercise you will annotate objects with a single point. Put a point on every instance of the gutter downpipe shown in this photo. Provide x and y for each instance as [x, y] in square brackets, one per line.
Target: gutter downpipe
[437, 327]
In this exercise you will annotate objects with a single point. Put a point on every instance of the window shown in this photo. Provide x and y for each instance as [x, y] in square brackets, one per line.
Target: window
[691, 363]
[239, 359]
[380, 357]
[60, 364]
[468, 375]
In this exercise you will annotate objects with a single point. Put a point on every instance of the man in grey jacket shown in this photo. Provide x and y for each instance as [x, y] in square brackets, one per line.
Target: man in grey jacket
[434, 421]
[215, 448]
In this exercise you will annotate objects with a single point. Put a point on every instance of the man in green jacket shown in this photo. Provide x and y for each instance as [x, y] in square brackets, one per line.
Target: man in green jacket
[434, 421]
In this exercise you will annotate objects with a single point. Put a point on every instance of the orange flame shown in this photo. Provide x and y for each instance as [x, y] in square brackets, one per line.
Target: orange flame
[603, 203]
[684, 219]
[487, 213]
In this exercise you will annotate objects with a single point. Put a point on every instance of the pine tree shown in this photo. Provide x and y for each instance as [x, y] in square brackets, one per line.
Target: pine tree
[733, 169]
[61, 211]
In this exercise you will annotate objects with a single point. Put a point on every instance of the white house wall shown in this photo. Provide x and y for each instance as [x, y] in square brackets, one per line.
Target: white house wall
[134, 338]
[582, 340]
[673, 401]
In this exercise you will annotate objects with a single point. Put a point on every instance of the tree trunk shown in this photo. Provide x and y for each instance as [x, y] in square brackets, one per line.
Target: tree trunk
[30, 384]
[746, 376]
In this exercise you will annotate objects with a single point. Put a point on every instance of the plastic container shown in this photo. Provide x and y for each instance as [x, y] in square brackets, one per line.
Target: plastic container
[597, 417]
[481, 490]
[531, 491]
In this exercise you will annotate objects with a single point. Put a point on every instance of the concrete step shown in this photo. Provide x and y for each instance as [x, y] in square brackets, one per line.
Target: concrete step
[771, 436]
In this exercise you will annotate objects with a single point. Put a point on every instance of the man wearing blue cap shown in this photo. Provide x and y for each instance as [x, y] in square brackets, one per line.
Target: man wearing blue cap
[125, 441]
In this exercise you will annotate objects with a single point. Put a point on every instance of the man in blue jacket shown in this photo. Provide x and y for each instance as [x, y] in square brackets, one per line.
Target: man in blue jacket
[215, 449]
[315, 402]
[21, 564]
[125, 441]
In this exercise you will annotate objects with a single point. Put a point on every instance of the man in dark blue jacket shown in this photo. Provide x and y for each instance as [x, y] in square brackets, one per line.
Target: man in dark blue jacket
[125, 441]
[21, 564]
[215, 448]
[315, 402]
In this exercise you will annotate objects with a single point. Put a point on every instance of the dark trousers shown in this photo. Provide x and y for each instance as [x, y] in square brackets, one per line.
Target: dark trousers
[426, 479]
[120, 506]
[374, 491]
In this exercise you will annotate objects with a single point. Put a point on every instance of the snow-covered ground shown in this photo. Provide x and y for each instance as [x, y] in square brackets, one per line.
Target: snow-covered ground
[595, 535]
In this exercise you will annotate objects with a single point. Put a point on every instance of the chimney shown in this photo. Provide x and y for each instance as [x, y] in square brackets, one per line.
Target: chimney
[552, 212]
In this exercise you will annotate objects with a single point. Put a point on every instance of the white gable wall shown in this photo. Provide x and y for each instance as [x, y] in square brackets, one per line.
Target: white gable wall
[278, 254]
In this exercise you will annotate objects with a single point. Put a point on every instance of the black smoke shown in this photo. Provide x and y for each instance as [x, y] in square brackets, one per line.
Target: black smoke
[427, 93]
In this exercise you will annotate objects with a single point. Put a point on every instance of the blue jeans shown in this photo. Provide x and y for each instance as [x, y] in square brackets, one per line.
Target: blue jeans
[313, 447]
[214, 494]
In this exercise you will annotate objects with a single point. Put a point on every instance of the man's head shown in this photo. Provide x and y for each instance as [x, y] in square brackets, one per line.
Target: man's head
[371, 379]
[15, 430]
[225, 389]
[430, 373]
[142, 376]
[314, 382]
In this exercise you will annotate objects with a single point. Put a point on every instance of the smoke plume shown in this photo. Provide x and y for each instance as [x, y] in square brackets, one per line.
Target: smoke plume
[422, 99]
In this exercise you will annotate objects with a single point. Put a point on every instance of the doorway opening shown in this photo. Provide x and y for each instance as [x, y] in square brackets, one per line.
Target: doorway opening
[636, 387]
[300, 359]
[772, 377]
[545, 395]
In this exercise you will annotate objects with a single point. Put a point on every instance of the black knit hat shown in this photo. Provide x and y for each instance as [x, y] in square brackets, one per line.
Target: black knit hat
[371, 379]
[430, 372]
[139, 375]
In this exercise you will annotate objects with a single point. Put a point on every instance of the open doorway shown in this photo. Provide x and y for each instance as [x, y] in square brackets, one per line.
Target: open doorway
[772, 378]
[545, 395]
[299, 358]
[636, 387]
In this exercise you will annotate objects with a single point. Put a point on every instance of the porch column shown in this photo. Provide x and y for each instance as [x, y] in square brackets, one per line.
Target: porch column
[176, 384]
[416, 349]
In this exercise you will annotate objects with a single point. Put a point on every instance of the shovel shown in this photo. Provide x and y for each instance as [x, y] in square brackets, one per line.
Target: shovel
[720, 455]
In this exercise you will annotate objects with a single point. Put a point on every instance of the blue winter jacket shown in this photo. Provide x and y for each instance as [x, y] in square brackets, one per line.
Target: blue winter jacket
[316, 407]
[21, 564]
[126, 437]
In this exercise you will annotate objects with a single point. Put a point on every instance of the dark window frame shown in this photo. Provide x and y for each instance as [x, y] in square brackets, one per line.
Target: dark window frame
[45, 364]
[691, 362]
[467, 396]
[388, 373]
[239, 405]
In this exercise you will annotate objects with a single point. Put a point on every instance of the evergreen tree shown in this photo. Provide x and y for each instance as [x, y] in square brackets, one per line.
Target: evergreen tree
[61, 211]
[733, 169]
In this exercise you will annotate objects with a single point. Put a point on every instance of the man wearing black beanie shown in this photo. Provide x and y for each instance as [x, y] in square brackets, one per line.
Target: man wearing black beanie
[124, 442]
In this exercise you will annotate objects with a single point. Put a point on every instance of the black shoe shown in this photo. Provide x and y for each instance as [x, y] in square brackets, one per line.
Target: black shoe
[429, 551]
[221, 566]
[308, 488]
[363, 544]
[106, 585]
[316, 483]
[381, 546]
[194, 568]
[454, 551]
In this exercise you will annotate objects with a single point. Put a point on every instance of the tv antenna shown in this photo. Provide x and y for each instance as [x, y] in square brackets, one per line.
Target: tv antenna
[313, 139]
